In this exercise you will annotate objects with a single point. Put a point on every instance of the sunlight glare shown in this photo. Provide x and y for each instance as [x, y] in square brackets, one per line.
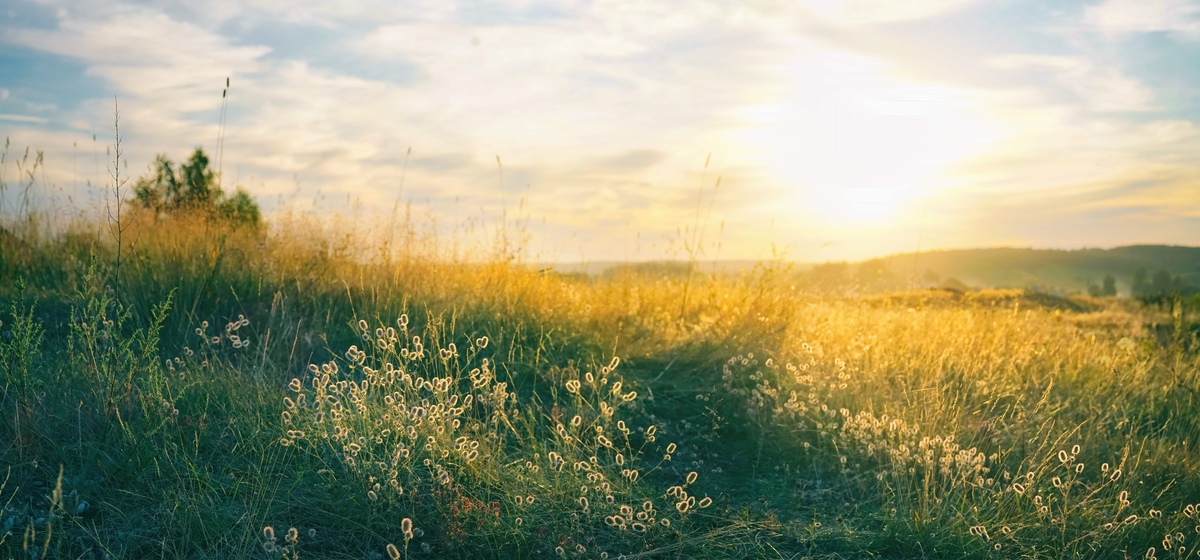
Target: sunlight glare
[859, 148]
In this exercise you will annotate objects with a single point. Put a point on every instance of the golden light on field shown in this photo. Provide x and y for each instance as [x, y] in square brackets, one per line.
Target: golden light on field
[859, 148]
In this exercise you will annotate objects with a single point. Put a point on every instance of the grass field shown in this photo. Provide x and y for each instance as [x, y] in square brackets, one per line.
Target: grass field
[296, 392]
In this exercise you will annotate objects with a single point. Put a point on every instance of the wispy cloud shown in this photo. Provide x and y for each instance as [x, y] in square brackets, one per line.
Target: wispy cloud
[861, 123]
[21, 118]
[1119, 17]
[1097, 87]
[869, 12]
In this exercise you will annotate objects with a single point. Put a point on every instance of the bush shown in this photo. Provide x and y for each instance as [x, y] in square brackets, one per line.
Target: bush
[192, 187]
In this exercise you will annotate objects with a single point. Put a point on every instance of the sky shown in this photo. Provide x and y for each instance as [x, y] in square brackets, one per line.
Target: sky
[634, 130]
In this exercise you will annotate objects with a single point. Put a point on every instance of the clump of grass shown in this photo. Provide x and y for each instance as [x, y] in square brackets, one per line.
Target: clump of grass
[438, 435]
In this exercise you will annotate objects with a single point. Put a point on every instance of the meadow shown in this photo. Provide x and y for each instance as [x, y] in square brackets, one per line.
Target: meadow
[193, 388]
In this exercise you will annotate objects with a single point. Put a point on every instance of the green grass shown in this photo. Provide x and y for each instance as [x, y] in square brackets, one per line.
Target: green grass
[230, 380]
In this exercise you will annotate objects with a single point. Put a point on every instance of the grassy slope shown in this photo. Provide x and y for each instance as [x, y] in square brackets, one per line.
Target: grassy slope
[890, 426]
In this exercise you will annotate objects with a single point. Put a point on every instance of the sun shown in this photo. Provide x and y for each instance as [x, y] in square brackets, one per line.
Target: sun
[856, 147]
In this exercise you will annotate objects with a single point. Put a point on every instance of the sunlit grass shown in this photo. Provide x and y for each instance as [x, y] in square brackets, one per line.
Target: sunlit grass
[307, 394]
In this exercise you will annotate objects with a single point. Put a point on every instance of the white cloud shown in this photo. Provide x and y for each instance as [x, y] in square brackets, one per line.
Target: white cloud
[868, 12]
[21, 118]
[1118, 17]
[1101, 87]
[604, 112]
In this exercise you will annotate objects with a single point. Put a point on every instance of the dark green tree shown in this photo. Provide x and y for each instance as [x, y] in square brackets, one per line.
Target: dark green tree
[1109, 289]
[239, 208]
[193, 187]
[1138, 287]
[156, 188]
[1162, 283]
[199, 188]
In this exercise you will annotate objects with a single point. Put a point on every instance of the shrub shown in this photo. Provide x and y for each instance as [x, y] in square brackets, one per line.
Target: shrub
[165, 190]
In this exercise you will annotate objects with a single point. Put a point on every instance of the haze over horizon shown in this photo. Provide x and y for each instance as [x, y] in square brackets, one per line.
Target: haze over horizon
[841, 129]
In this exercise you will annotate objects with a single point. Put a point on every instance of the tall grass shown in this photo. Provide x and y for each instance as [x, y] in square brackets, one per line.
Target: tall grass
[302, 391]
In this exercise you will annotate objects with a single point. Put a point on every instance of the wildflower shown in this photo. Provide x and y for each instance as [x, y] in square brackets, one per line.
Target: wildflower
[393, 552]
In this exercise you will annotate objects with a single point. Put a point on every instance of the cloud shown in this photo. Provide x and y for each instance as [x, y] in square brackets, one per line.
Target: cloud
[870, 12]
[1100, 87]
[604, 113]
[1120, 17]
[630, 160]
[21, 118]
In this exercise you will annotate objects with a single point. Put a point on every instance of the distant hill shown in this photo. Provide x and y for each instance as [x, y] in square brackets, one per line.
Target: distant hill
[1067, 270]
[1056, 270]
